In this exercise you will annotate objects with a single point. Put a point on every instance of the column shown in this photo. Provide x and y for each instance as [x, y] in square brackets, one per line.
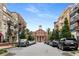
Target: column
[40, 38]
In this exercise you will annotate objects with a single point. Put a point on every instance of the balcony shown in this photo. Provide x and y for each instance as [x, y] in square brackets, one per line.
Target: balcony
[77, 28]
[76, 17]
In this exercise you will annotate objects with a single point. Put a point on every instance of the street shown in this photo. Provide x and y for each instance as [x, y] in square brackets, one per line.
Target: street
[38, 49]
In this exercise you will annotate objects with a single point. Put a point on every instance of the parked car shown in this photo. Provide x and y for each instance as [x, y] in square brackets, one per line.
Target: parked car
[55, 43]
[27, 43]
[22, 43]
[68, 43]
[31, 42]
[47, 42]
[51, 43]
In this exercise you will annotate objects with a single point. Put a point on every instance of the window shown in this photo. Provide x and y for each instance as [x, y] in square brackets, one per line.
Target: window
[4, 17]
[72, 26]
[4, 8]
[71, 23]
[75, 8]
[8, 19]
[0, 13]
[0, 25]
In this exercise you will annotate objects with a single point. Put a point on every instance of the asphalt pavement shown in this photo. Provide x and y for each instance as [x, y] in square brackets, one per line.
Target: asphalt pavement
[38, 49]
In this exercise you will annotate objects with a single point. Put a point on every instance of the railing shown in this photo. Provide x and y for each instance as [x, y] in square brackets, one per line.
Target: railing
[76, 17]
[77, 27]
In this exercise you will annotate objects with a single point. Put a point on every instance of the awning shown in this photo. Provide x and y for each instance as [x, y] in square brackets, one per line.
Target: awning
[1, 34]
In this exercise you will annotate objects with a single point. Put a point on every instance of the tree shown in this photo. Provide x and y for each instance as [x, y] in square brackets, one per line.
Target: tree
[49, 34]
[56, 34]
[30, 37]
[22, 35]
[65, 31]
[27, 33]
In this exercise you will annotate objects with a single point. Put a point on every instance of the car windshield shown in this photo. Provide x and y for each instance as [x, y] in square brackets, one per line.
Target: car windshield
[69, 40]
[23, 41]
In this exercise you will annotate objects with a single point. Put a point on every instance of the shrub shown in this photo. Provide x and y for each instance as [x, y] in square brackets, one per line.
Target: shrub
[3, 51]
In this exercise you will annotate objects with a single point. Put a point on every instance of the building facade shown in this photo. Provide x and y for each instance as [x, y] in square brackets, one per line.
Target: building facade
[10, 24]
[19, 25]
[74, 21]
[60, 22]
[4, 18]
[40, 35]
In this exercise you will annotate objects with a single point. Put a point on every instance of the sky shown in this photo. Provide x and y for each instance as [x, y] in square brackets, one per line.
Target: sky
[36, 14]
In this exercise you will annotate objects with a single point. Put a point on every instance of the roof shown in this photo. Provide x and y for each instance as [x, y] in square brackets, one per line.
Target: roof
[40, 30]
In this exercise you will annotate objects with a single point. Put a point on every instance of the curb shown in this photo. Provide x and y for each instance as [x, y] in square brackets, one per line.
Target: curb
[7, 47]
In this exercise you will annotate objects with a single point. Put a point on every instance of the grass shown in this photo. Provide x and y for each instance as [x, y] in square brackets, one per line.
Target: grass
[74, 52]
[3, 51]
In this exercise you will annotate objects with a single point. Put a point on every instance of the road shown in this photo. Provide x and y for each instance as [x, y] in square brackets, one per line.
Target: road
[38, 49]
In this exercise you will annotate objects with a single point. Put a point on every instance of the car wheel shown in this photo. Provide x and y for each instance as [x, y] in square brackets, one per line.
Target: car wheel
[62, 48]
[57, 47]
[76, 49]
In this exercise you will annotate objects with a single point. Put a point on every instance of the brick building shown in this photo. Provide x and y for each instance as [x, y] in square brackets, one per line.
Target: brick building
[40, 35]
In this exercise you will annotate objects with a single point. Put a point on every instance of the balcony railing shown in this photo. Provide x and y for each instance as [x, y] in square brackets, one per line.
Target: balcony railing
[76, 17]
[77, 27]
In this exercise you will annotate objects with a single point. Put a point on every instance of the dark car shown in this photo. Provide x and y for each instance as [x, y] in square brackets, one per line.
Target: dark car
[51, 43]
[55, 43]
[48, 42]
[68, 43]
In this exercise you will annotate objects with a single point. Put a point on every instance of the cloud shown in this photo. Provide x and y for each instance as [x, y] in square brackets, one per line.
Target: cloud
[32, 9]
[47, 15]
[40, 13]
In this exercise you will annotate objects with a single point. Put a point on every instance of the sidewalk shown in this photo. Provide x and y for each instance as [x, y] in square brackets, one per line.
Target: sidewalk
[9, 46]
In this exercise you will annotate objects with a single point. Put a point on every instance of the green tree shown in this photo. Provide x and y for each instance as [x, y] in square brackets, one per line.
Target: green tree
[49, 34]
[22, 35]
[30, 37]
[65, 31]
[56, 34]
[27, 33]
